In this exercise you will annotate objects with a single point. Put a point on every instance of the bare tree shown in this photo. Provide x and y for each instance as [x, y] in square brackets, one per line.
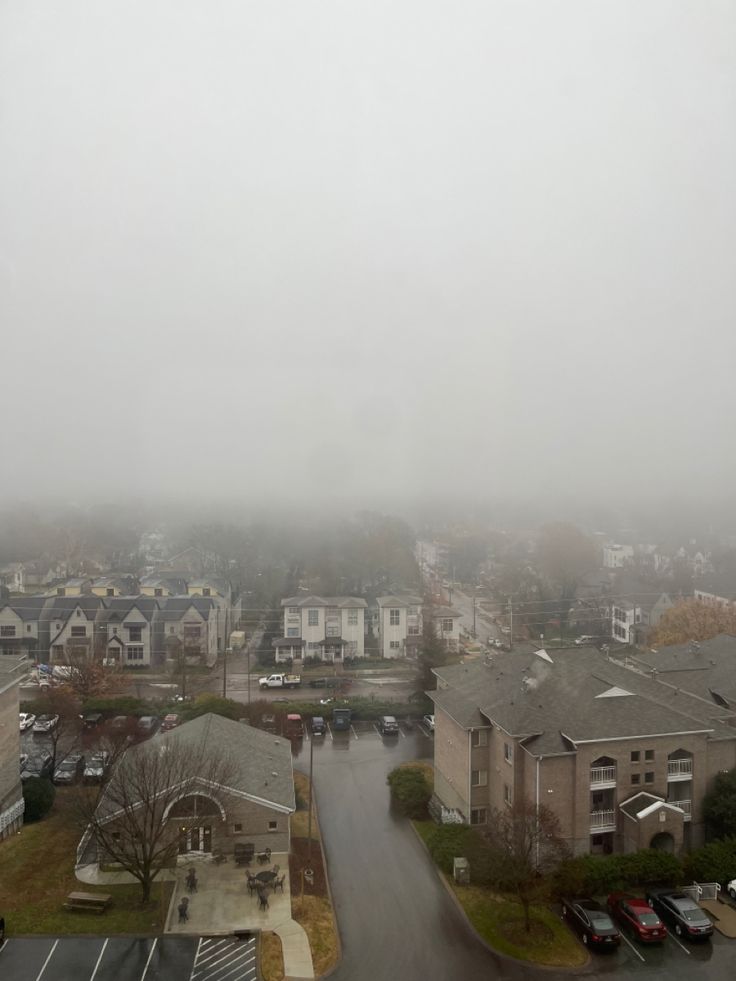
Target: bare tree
[89, 673]
[526, 845]
[156, 789]
[63, 737]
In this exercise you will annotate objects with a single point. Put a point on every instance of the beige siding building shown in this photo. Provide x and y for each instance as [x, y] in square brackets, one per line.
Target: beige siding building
[622, 759]
[12, 669]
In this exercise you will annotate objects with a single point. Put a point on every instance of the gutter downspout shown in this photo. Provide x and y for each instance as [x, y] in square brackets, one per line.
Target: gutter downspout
[470, 774]
[539, 760]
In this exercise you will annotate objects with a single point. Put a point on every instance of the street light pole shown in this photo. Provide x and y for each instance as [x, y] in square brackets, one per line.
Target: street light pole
[228, 650]
[309, 818]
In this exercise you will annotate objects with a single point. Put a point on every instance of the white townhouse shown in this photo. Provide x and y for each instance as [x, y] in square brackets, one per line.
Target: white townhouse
[330, 628]
[125, 624]
[20, 620]
[447, 626]
[399, 625]
[189, 621]
[71, 621]
[221, 593]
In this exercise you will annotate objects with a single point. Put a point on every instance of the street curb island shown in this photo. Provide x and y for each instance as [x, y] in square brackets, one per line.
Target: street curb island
[496, 953]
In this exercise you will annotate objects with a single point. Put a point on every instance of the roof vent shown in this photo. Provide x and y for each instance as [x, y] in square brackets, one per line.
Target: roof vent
[274, 773]
[614, 692]
[694, 647]
[544, 656]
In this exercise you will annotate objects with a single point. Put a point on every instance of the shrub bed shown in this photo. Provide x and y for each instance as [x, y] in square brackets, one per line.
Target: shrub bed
[601, 874]
[410, 790]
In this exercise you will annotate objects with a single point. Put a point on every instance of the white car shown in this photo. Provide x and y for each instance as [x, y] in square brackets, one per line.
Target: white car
[45, 723]
[26, 720]
[731, 888]
[428, 720]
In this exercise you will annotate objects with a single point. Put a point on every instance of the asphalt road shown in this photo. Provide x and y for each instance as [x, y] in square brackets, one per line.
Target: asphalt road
[486, 631]
[395, 916]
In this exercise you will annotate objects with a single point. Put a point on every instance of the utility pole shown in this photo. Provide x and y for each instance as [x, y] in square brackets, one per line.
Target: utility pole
[511, 625]
[474, 633]
[309, 816]
[228, 650]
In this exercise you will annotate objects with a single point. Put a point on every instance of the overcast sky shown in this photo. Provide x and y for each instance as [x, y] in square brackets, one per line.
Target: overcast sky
[356, 247]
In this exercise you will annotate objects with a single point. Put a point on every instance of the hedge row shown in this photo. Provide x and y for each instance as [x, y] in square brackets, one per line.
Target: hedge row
[601, 874]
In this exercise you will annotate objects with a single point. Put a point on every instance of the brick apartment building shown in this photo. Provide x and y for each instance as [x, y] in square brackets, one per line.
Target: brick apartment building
[622, 758]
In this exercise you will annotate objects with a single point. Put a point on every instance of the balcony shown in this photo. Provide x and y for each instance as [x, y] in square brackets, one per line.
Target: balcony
[679, 769]
[684, 805]
[603, 821]
[603, 776]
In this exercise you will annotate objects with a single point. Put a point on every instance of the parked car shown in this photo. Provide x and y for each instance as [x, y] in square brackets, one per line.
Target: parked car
[69, 770]
[268, 722]
[148, 724]
[497, 643]
[584, 640]
[388, 725]
[96, 769]
[171, 721]
[731, 888]
[591, 921]
[682, 912]
[92, 720]
[294, 727]
[637, 916]
[38, 765]
[428, 720]
[319, 728]
[45, 723]
[26, 721]
[342, 719]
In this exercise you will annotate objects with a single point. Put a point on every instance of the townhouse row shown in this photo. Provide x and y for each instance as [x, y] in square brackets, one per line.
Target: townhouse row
[332, 628]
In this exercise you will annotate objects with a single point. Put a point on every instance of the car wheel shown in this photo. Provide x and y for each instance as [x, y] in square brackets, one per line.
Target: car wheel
[678, 929]
[585, 939]
[732, 893]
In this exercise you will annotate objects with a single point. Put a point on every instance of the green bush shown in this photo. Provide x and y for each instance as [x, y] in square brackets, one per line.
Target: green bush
[122, 705]
[38, 795]
[203, 704]
[410, 790]
[601, 874]
[449, 841]
[714, 862]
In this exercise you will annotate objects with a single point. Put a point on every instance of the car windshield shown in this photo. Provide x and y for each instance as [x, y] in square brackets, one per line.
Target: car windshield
[693, 915]
[68, 765]
[601, 921]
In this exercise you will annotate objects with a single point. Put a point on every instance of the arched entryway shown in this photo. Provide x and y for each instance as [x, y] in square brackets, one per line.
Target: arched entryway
[196, 815]
[663, 842]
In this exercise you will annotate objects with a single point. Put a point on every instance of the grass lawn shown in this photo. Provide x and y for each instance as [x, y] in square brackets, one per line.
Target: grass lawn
[272, 957]
[38, 873]
[314, 913]
[300, 817]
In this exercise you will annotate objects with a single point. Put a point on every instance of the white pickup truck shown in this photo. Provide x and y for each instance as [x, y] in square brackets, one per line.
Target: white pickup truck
[280, 681]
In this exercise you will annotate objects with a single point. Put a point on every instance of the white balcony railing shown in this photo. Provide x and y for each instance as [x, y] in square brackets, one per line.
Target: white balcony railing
[603, 776]
[679, 769]
[603, 821]
[684, 805]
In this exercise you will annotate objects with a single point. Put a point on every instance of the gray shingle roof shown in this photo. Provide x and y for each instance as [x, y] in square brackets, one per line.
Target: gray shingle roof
[395, 600]
[174, 607]
[119, 607]
[705, 669]
[342, 602]
[27, 607]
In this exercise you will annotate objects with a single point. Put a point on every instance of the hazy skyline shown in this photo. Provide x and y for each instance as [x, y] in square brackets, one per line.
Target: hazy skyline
[355, 250]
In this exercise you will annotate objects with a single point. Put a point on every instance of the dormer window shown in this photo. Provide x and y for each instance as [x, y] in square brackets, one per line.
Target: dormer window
[79, 613]
[206, 591]
[158, 592]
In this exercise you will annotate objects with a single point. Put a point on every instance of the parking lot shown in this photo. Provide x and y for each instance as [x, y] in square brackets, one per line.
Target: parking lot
[128, 959]
[369, 730]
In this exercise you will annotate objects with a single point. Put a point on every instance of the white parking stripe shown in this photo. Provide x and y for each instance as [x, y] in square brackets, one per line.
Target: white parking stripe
[51, 954]
[329, 730]
[402, 733]
[212, 953]
[681, 945]
[199, 945]
[352, 729]
[99, 959]
[627, 941]
[246, 954]
[2, 946]
[223, 976]
[150, 955]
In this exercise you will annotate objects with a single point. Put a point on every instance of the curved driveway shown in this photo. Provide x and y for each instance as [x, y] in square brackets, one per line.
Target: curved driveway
[396, 918]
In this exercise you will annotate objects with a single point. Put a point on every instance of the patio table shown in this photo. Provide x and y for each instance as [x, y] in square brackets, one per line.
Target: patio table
[266, 877]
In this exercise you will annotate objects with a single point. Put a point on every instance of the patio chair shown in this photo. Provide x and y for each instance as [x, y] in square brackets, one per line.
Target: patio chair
[262, 899]
[183, 910]
[279, 883]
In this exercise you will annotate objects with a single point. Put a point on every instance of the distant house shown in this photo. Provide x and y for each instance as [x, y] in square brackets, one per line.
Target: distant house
[330, 628]
[399, 625]
[446, 622]
[125, 624]
[717, 589]
[160, 586]
[220, 592]
[71, 621]
[114, 586]
[20, 621]
[72, 587]
[186, 624]
[12, 670]
[630, 615]
[617, 556]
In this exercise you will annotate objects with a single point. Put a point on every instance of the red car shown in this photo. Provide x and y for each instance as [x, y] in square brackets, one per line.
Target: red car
[638, 916]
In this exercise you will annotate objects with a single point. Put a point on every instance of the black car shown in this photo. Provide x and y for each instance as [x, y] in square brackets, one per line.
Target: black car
[388, 725]
[318, 726]
[69, 770]
[682, 912]
[591, 921]
[39, 765]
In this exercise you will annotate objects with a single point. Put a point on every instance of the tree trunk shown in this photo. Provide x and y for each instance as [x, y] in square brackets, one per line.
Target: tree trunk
[146, 888]
[527, 919]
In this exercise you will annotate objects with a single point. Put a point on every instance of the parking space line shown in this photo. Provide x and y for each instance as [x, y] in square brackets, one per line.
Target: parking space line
[51, 954]
[150, 955]
[196, 955]
[2, 946]
[637, 952]
[230, 961]
[107, 940]
[376, 728]
[352, 729]
[681, 945]
[402, 733]
[216, 951]
[329, 730]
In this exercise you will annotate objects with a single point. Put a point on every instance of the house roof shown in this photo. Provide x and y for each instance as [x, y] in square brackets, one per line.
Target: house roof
[721, 584]
[174, 607]
[445, 611]
[62, 607]
[177, 585]
[119, 607]
[707, 669]
[214, 582]
[261, 762]
[27, 607]
[395, 600]
[568, 697]
[342, 602]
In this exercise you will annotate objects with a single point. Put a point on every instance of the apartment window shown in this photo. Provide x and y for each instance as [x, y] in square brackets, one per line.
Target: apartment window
[508, 752]
[135, 633]
[115, 630]
[478, 815]
[58, 626]
[394, 645]
[273, 825]
[7, 631]
[172, 630]
[447, 625]
[394, 617]
[478, 737]
[635, 756]
[237, 828]
[293, 609]
[649, 776]
[79, 631]
[413, 631]
[28, 628]
[158, 592]
[649, 755]
[313, 618]
[60, 591]
[479, 778]
[353, 618]
[292, 632]
[507, 794]
[206, 591]
[135, 653]
[109, 592]
[635, 778]
[412, 611]
[78, 613]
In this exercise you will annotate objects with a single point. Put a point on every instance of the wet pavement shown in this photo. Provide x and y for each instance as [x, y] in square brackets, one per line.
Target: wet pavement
[397, 919]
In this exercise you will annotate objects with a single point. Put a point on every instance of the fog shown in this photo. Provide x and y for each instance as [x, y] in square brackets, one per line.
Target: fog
[343, 251]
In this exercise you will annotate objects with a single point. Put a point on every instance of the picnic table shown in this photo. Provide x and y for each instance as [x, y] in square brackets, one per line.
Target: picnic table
[95, 902]
[266, 877]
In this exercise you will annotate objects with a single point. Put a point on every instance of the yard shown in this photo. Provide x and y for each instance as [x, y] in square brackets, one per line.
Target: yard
[38, 874]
